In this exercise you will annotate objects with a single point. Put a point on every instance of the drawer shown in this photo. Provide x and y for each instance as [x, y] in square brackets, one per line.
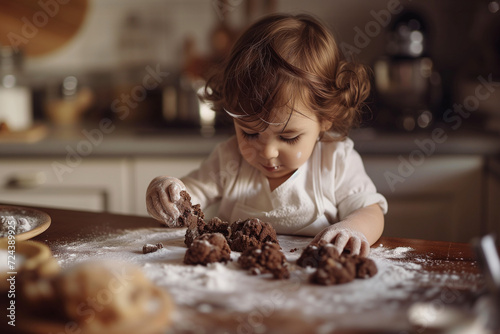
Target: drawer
[93, 184]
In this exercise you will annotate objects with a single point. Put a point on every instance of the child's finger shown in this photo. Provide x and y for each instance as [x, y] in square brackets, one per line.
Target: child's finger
[152, 208]
[341, 241]
[167, 208]
[317, 238]
[174, 191]
[164, 199]
[328, 234]
[365, 249]
[158, 206]
[149, 207]
[355, 247]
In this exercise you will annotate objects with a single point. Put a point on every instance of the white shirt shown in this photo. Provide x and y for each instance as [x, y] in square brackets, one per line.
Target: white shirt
[327, 188]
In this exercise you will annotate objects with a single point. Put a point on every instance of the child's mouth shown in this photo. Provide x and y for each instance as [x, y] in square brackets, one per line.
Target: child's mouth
[271, 168]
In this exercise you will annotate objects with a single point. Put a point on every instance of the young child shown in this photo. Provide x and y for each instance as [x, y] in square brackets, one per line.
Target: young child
[293, 101]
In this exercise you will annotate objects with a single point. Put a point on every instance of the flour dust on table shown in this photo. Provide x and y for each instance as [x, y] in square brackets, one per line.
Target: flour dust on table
[225, 286]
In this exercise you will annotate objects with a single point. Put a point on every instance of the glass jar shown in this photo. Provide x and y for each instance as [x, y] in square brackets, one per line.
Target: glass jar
[16, 110]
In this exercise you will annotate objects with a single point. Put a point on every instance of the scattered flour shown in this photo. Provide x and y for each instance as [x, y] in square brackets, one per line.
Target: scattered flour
[226, 286]
[16, 224]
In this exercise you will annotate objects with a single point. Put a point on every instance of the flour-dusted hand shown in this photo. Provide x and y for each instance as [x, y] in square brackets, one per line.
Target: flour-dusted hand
[162, 197]
[344, 238]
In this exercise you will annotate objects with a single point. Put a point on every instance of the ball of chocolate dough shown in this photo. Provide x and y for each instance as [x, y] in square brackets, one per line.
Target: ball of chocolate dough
[343, 269]
[314, 254]
[331, 272]
[266, 258]
[208, 248]
[365, 267]
[200, 227]
[216, 225]
[250, 233]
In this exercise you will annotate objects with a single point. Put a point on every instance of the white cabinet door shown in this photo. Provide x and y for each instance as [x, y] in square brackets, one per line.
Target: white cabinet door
[93, 184]
[437, 198]
[146, 169]
[61, 198]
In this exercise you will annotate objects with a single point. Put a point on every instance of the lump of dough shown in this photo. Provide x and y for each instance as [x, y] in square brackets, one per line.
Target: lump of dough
[332, 272]
[200, 227]
[189, 213]
[216, 225]
[265, 258]
[343, 269]
[113, 297]
[365, 267]
[314, 254]
[208, 248]
[150, 248]
[250, 233]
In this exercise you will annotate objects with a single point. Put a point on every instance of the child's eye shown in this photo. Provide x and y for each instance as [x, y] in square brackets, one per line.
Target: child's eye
[249, 136]
[290, 141]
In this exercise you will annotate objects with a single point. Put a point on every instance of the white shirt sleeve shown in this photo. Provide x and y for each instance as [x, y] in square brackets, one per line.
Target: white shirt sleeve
[207, 184]
[353, 189]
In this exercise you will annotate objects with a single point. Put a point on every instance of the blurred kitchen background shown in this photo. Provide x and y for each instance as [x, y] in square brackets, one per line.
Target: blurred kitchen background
[99, 96]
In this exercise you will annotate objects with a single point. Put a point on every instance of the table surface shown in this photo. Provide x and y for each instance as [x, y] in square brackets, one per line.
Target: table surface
[440, 258]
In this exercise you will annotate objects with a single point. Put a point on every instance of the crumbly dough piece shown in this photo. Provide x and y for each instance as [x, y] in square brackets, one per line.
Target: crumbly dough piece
[314, 254]
[250, 233]
[104, 297]
[208, 248]
[332, 272]
[217, 225]
[150, 248]
[343, 269]
[190, 214]
[200, 227]
[365, 267]
[265, 258]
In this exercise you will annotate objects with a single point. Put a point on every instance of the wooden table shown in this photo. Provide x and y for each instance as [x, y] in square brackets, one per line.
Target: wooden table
[441, 258]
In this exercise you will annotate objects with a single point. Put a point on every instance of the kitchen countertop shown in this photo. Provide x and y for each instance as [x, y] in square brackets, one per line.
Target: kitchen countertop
[128, 142]
[444, 275]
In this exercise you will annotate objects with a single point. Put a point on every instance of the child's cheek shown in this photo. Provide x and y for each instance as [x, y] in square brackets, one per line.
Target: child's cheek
[299, 155]
[248, 151]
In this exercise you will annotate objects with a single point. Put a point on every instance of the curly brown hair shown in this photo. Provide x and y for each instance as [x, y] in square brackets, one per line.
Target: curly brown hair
[282, 60]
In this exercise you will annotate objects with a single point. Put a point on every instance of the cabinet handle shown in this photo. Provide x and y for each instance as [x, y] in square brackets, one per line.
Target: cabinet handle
[26, 180]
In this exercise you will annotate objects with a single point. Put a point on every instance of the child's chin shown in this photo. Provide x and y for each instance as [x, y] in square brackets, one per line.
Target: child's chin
[281, 173]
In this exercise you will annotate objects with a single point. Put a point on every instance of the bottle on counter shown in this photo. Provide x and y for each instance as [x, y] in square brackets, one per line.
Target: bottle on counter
[406, 81]
[16, 113]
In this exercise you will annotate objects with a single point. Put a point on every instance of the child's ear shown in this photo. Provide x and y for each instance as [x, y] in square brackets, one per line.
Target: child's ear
[326, 125]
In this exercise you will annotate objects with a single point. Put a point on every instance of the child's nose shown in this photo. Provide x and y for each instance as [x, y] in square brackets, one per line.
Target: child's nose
[269, 151]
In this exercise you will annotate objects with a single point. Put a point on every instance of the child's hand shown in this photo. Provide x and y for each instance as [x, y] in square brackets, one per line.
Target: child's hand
[345, 238]
[161, 197]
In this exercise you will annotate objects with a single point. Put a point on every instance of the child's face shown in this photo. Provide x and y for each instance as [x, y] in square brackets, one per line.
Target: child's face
[278, 152]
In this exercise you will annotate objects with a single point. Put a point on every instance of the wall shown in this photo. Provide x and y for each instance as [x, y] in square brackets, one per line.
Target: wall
[157, 29]
[117, 34]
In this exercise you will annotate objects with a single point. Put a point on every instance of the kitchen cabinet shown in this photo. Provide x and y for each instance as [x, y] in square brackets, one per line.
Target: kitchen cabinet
[436, 197]
[146, 169]
[89, 184]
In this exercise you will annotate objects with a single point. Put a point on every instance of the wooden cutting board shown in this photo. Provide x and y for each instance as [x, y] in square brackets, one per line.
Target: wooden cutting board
[40, 27]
